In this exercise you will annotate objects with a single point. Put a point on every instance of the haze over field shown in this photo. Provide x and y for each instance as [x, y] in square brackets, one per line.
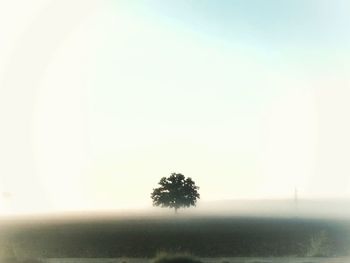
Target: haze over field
[100, 99]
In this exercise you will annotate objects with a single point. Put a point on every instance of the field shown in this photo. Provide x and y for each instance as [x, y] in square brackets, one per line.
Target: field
[210, 260]
[215, 239]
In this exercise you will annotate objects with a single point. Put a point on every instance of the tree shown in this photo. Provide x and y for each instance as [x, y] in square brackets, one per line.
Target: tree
[175, 191]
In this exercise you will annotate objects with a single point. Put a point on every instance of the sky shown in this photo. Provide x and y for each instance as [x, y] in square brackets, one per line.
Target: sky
[100, 99]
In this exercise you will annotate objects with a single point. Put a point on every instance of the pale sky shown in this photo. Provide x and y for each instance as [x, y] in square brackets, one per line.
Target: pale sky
[100, 99]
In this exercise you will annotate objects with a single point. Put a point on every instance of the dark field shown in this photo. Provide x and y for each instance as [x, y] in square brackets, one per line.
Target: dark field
[200, 236]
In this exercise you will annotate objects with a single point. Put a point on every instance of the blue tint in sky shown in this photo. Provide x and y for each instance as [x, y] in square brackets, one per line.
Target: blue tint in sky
[265, 24]
[98, 95]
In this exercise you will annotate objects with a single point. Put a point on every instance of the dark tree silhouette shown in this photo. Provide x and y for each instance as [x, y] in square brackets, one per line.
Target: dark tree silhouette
[175, 191]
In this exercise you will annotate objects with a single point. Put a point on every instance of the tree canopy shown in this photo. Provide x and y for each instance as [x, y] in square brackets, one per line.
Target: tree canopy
[175, 191]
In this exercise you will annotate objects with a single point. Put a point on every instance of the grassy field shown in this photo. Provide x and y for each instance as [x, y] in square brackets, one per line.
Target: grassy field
[207, 237]
[207, 260]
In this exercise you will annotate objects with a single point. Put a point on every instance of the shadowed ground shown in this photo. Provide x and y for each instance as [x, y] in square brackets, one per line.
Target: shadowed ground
[213, 237]
[211, 260]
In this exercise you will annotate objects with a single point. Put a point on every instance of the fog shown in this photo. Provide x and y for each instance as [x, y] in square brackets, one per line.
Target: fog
[283, 208]
[117, 94]
[99, 100]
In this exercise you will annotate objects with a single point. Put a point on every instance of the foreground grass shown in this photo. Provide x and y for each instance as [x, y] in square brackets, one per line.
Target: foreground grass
[175, 258]
[204, 260]
[205, 237]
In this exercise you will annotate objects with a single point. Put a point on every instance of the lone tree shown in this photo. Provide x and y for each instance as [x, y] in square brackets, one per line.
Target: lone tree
[175, 191]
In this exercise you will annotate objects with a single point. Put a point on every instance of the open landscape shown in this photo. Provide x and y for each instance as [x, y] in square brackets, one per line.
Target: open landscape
[204, 260]
[174, 131]
[211, 238]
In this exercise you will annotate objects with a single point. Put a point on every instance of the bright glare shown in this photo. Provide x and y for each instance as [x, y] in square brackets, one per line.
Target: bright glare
[100, 99]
